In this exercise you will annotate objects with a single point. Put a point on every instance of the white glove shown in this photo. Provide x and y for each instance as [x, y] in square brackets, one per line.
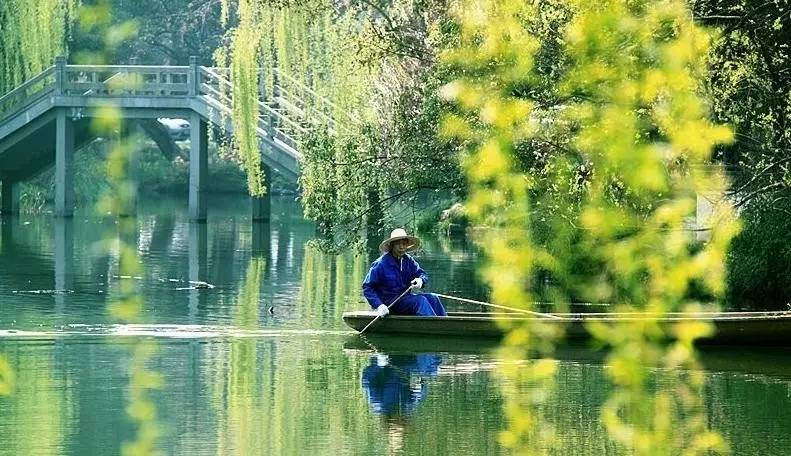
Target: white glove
[416, 284]
[382, 310]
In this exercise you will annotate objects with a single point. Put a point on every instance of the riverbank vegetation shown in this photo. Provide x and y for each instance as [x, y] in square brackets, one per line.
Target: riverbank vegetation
[379, 66]
[363, 178]
[578, 136]
[586, 135]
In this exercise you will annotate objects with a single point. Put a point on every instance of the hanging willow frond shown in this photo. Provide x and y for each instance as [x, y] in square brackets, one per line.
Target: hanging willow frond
[32, 34]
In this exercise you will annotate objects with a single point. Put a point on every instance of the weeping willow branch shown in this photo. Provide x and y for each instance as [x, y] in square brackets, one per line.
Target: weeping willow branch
[244, 70]
[32, 34]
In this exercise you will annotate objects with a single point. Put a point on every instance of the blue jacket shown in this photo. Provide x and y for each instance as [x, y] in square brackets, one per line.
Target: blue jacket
[389, 277]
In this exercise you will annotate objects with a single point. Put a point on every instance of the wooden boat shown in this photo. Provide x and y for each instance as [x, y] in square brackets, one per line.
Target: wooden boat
[732, 328]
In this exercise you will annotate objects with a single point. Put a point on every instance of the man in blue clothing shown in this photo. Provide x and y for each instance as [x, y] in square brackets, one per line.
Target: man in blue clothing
[395, 271]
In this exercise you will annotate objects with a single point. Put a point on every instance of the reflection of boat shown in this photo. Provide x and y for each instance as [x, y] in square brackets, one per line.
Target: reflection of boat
[738, 328]
[421, 343]
[770, 361]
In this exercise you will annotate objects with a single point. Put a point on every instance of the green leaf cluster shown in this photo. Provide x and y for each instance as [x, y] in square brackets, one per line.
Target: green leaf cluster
[595, 159]
[32, 34]
[758, 260]
[750, 87]
[376, 66]
[749, 83]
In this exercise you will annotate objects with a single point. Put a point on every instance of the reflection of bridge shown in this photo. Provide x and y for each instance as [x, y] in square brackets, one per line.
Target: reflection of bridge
[55, 265]
[45, 120]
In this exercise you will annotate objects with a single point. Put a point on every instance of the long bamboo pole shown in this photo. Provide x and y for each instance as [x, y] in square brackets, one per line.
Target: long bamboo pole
[513, 309]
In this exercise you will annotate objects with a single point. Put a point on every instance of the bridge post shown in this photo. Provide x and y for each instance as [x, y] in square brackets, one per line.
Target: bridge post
[10, 195]
[64, 164]
[199, 167]
[262, 238]
[192, 76]
[262, 206]
[60, 74]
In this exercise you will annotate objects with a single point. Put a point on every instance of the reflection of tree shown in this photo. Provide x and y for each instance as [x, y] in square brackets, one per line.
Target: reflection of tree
[7, 377]
[266, 405]
[248, 305]
[239, 389]
[330, 283]
[316, 280]
[42, 408]
[350, 269]
[451, 263]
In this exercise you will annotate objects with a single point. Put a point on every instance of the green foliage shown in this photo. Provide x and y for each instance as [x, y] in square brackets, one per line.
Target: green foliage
[168, 32]
[295, 38]
[244, 74]
[451, 220]
[376, 67]
[33, 198]
[758, 260]
[416, 157]
[318, 172]
[156, 174]
[386, 164]
[32, 34]
[623, 96]
[750, 88]
[89, 181]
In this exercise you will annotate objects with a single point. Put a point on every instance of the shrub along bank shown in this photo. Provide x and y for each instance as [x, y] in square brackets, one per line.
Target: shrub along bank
[759, 261]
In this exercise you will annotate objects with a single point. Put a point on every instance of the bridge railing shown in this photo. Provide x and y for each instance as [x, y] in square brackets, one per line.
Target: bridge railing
[300, 102]
[285, 115]
[28, 93]
[99, 81]
[299, 96]
[125, 80]
[277, 125]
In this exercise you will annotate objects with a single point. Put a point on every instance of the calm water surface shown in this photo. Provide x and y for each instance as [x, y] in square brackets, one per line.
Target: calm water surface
[262, 363]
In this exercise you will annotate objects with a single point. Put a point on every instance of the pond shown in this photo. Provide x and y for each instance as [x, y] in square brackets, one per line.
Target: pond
[261, 363]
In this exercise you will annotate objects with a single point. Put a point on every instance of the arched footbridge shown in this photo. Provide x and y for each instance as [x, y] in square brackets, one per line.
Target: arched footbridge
[47, 119]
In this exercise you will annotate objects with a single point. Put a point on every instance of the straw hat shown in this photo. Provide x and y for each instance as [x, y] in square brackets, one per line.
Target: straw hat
[396, 235]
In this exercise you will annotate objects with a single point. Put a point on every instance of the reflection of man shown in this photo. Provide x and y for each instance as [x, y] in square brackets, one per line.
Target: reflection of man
[395, 271]
[392, 384]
